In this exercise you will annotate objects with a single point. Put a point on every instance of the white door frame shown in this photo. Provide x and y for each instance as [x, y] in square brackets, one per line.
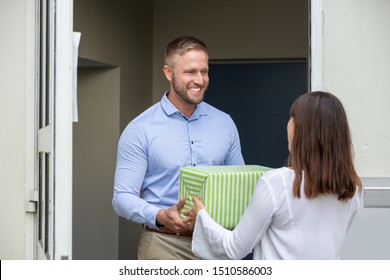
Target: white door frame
[63, 136]
[316, 45]
[63, 131]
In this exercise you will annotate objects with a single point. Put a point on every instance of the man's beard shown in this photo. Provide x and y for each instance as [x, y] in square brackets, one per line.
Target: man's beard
[182, 92]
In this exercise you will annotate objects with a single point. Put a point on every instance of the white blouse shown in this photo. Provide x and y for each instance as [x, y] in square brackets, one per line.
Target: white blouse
[278, 226]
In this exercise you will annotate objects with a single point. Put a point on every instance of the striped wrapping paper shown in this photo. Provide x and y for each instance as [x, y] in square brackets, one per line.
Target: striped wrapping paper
[224, 190]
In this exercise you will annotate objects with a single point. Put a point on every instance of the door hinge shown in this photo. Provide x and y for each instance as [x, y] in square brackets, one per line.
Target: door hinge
[32, 203]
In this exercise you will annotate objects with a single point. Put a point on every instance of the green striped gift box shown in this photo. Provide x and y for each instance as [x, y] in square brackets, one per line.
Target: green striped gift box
[224, 190]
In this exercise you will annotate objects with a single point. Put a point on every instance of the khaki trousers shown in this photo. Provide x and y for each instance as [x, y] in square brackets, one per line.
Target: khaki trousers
[162, 246]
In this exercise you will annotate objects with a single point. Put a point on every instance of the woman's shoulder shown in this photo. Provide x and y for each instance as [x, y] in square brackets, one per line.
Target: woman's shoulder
[281, 177]
[277, 172]
[276, 182]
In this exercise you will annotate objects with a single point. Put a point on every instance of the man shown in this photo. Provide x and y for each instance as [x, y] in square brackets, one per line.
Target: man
[180, 130]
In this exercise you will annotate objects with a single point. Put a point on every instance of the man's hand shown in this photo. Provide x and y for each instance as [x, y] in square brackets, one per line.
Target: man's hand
[170, 218]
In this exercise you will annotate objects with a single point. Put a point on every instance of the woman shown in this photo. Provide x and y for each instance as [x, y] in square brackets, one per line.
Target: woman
[298, 212]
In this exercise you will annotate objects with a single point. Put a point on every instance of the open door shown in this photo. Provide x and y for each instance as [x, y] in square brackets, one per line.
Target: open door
[50, 197]
[45, 185]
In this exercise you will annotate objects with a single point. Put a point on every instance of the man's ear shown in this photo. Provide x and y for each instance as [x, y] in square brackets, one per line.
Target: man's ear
[168, 72]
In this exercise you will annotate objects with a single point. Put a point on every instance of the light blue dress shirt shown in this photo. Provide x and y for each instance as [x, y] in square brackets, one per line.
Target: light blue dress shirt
[154, 146]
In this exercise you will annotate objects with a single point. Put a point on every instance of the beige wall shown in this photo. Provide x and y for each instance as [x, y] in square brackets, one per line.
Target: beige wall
[248, 29]
[356, 68]
[95, 140]
[118, 33]
[13, 83]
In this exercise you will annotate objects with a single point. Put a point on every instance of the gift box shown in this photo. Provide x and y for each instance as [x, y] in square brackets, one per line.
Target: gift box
[224, 190]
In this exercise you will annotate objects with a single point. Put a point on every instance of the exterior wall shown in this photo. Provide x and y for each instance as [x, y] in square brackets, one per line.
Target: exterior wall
[13, 92]
[356, 55]
[249, 29]
[356, 68]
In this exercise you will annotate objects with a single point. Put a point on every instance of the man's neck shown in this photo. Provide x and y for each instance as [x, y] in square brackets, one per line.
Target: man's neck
[185, 108]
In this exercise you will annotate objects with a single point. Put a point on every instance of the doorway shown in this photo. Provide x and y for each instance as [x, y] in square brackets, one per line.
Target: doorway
[134, 36]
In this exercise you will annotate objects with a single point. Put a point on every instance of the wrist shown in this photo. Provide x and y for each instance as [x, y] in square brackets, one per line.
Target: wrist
[159, 225]
[158, 222]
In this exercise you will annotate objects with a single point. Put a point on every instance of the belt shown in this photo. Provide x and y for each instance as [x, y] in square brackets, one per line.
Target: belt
[168, 231]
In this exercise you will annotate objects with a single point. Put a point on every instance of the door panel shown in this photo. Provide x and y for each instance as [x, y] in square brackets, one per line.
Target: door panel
[45, 185]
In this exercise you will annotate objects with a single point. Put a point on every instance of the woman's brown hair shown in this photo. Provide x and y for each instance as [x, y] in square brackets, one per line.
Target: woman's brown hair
[322, 147]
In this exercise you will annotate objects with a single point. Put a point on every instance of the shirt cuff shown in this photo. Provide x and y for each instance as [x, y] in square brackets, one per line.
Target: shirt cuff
[151, 217]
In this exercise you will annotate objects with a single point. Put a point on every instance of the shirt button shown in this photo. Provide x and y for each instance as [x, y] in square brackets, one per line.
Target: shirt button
[194, 164]
[192, 142]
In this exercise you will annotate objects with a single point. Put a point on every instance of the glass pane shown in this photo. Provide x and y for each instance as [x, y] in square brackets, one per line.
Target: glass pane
[48, 64]
[40, 191]
[42, 58]
[47, 200]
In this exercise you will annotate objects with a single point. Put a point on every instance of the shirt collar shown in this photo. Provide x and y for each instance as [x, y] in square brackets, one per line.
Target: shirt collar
[170, 109]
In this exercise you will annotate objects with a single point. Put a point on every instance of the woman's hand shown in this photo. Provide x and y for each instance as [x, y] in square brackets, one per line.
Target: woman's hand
[193, 212]
[197, 207]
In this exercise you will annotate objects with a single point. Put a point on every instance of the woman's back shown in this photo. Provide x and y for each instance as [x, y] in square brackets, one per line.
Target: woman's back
[303, 228]
[300, 212]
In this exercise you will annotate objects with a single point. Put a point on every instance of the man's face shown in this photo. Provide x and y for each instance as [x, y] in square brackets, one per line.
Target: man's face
[190, 76]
